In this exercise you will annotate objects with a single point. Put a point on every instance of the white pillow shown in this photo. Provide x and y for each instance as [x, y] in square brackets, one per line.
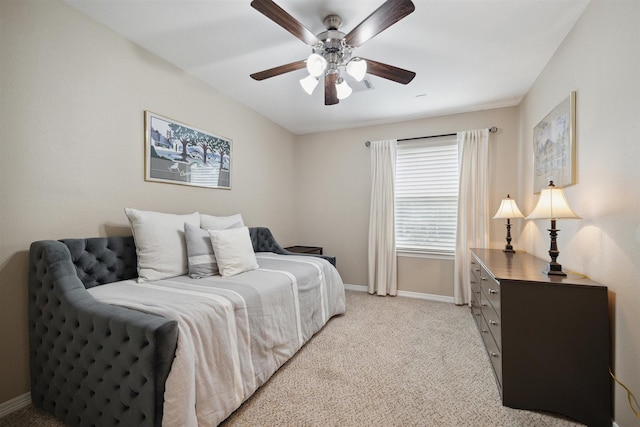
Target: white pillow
[160, 244]
[210, 222]
[233, 250]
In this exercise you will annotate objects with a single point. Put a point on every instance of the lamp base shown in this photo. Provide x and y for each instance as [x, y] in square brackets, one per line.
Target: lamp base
[554, 269]
[508, 248]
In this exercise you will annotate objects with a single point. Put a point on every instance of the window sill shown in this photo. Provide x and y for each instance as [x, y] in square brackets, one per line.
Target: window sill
[418, 254]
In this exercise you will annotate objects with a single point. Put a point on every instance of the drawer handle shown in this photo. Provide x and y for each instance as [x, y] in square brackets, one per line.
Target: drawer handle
[484, 331]
[484, 304]
[493, 291]
[476, 292]
[476, 269]
[496, 355]
[493, 322]
[483, 278]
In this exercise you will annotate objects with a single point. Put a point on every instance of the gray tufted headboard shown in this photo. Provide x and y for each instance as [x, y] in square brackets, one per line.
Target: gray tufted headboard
[92, 363]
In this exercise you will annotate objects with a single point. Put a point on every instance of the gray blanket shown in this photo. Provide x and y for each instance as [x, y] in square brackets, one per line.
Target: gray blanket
[234, 332]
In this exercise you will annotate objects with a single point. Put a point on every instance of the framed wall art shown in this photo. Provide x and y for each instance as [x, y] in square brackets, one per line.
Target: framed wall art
[554, 146]
[176, 153]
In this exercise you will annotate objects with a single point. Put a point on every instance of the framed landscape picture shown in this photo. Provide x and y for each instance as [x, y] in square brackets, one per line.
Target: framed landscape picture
[176, 153]
[554, 146]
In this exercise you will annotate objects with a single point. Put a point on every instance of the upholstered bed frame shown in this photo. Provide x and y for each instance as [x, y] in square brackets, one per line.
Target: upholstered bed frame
[92, 363]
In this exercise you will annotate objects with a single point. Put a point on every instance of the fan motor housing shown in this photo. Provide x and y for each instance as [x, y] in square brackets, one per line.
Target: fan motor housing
[332, 22]
[331, 36]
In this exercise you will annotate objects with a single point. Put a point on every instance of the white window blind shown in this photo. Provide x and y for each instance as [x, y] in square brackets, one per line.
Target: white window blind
[426, 195]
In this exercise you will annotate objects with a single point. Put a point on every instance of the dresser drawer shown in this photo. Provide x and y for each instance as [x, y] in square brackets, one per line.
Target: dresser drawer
[476, 312]
[492, 350]
[475, 270]
[492, 320]
[491, 289]
[475, 290]
[474, 278]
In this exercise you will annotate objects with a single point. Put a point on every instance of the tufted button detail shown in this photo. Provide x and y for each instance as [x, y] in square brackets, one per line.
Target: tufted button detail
[72, 338]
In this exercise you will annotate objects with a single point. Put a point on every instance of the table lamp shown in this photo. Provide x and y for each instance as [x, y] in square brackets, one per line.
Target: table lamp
[508, 210]
[553, 205]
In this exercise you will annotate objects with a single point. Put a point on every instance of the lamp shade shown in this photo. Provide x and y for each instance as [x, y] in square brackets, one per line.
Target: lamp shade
[316, 64]
[508, 209]
[342, 89]
[309, 83]
[552, 205]
[357, 68]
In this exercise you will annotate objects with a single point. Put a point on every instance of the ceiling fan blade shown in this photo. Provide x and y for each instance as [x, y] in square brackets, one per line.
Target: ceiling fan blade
[286, 21]
[389, 72]
[330, 91]
[382, 18]
[276, 71]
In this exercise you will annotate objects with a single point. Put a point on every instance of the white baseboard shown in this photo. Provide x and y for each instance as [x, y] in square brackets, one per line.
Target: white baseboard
[358, 288]
[14, 404]
[430, 297]
[408, 294]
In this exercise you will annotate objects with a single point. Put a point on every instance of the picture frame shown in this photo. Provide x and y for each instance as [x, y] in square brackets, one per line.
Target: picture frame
[554, 146]
[176, 153]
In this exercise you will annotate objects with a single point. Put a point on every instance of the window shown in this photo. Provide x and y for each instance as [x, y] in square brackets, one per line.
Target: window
[426, 196]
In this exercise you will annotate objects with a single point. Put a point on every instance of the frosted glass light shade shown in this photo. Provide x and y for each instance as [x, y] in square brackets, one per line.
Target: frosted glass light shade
[342, 89]
[309, 83]
[357, 68]
[552, 205]
[508, 209]
[316, 64]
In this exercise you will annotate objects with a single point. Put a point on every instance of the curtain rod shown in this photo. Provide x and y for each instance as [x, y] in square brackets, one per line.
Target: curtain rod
[492, 129]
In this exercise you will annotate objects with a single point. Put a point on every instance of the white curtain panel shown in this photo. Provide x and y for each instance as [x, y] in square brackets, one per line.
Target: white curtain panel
[473, 218]
[382, 234]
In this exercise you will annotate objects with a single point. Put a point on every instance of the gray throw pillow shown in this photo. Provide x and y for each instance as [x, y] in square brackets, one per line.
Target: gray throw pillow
[200, 255]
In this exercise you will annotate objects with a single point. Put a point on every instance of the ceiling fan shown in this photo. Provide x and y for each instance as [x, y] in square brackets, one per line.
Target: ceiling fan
[332, 49]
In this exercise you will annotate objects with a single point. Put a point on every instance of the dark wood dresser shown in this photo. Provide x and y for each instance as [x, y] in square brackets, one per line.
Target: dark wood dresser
[547, 336]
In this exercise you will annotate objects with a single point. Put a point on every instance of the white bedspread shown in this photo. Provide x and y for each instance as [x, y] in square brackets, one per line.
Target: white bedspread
[234, 332]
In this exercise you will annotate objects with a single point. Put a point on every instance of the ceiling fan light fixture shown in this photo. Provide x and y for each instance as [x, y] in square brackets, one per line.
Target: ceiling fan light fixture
[316, 64]
[342, 89]
[331, 50]
[357, 68]
[309, 83]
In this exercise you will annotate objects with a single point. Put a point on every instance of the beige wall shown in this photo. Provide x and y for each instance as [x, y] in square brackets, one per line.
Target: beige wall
[426, 275]
[73, 96]
[332, 192]
[600, 60]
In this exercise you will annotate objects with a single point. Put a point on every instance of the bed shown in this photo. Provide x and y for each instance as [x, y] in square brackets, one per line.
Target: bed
[107, 349]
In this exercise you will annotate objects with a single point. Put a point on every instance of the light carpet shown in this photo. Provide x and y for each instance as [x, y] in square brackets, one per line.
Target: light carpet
[389, 361]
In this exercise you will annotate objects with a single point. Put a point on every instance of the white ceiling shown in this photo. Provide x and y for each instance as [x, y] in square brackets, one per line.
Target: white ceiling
[468, 54]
